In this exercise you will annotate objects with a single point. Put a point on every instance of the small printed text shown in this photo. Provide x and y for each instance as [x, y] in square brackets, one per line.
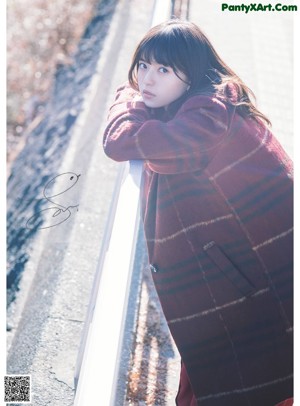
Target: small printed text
[246, 8]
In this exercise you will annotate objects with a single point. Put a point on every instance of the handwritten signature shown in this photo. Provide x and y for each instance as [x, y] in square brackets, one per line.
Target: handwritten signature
[65, 182]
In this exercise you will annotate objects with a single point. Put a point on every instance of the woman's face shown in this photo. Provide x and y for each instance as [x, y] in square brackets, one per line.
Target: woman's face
[159, 85]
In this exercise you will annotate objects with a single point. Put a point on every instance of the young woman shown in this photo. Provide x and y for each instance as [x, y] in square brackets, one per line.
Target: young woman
[217, 209]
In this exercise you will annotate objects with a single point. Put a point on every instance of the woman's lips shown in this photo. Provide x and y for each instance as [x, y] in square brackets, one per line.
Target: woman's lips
[148, 94]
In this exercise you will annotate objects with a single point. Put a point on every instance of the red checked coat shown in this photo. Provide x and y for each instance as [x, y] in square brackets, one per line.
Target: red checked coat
[218, 216]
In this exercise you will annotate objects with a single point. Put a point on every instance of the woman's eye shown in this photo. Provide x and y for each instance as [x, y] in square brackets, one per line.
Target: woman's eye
[163, 69]
[142, 65]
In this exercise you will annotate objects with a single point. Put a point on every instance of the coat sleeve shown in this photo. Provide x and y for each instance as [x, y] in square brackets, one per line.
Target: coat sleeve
[185, 143]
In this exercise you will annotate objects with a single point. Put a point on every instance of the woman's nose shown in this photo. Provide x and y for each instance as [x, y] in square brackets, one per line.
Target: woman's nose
[149, 77]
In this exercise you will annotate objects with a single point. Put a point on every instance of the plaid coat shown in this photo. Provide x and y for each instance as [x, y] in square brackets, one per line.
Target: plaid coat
[218, 216]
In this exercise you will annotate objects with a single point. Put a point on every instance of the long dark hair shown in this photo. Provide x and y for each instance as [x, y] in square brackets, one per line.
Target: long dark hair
[184, 47]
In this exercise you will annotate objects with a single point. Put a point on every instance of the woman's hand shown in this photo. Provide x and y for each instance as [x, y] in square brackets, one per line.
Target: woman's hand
[138, 98]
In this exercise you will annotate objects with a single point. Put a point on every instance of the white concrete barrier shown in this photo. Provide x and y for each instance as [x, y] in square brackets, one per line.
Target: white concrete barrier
[97, 367]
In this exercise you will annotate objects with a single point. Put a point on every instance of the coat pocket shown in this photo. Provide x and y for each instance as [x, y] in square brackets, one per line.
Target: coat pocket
[238, 279]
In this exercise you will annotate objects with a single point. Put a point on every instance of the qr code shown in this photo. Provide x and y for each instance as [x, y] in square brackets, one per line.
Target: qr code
[17, 388]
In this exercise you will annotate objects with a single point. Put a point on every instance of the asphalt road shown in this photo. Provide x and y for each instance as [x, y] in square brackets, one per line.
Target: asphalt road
[46, 319]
